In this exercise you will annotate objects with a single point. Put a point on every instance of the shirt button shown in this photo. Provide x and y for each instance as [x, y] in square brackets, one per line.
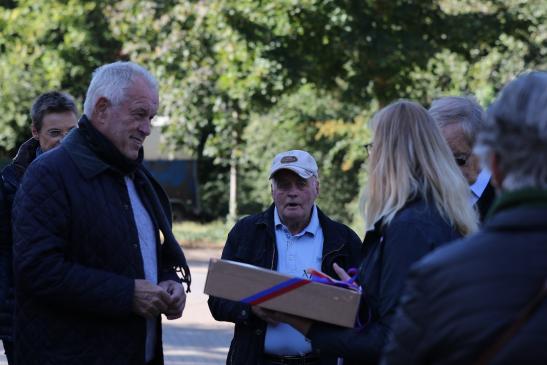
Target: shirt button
[258, 332]
[126, 206]
[135, 246]
[244, 312]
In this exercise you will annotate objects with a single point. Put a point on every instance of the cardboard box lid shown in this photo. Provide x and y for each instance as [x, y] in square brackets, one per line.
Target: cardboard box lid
[326, 303]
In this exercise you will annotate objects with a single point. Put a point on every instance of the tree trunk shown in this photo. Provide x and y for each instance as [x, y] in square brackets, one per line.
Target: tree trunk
[232, 205]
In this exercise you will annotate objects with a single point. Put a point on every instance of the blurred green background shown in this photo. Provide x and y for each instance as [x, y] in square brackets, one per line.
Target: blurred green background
[242, 80]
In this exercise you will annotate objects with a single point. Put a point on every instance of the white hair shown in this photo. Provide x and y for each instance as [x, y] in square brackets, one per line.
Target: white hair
[464, 110]
[111, 81]
[410, 159]
[516, 132]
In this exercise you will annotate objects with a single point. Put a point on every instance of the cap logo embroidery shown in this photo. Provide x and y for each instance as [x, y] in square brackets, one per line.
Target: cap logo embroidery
[289, 159]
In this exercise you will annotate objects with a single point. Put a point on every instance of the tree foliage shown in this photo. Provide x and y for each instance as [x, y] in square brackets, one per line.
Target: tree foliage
[244, 79]
[368, 49]
[47, 45]
[312, 120]
[369, 53]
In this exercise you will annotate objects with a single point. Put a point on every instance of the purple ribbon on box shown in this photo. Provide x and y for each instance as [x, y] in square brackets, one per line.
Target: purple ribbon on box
[319, 277]
[294, 283]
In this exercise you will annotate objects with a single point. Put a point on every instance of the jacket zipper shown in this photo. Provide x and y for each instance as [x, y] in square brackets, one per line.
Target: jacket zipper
[330, 253]
[273, 257]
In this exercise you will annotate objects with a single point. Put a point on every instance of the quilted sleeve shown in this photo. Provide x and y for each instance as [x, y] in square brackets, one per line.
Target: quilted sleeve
[41, 224]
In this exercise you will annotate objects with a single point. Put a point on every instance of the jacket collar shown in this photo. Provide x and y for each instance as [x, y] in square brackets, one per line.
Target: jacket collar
[13, 173]
[521, 218]
[84, 158]
[331, 238]
[530, 205]
[312, 227]
[521, 197]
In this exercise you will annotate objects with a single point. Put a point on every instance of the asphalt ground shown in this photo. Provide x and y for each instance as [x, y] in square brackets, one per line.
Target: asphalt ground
[196, 338]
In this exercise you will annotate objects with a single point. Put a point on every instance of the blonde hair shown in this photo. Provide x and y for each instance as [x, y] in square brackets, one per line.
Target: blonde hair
[411, 159]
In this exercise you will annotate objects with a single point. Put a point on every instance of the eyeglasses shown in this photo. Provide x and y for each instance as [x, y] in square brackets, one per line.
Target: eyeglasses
[368, 148]
[461, 160]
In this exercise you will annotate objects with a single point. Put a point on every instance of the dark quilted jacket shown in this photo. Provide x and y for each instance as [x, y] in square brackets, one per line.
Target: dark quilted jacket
[76, 255]
[252, 240]
[11, 179]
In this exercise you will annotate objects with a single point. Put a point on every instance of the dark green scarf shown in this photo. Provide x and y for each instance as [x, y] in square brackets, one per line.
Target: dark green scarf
[521, 197]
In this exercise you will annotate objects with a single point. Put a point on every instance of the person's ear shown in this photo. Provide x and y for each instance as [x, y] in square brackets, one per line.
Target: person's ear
[497, 174]
[35, 133]
[101, 109]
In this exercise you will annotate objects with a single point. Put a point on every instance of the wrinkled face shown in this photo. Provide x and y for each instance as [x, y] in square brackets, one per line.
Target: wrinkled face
[294, 197]
[128, 123]
[55, 127]
[462, 151]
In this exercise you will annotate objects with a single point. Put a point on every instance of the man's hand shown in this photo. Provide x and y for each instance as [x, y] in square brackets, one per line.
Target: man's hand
[264, 314]
[150, 300]
[300, 324]
[178, 298]
[342, 274]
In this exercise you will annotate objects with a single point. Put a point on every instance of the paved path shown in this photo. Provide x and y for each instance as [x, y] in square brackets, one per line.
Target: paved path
[196, 338]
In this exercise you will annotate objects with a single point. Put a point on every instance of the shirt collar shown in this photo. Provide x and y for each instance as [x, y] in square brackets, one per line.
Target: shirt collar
[311, 228]
[482, 181]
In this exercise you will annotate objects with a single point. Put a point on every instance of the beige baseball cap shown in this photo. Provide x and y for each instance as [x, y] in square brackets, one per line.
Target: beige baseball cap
[298, 161]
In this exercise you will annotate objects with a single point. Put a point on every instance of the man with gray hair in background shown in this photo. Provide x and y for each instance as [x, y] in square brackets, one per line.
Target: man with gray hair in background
[460, 118]
[482, 300]
[95, 260]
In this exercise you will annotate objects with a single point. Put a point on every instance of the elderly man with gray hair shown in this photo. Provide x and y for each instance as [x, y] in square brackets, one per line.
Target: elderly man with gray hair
[291, 236]
[460, 118]
[95, 260]
[482, 300]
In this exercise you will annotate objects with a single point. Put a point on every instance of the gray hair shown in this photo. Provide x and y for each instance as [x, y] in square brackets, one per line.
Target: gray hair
[51, 102]
[111, 80]
[516, 132]
[464, 110]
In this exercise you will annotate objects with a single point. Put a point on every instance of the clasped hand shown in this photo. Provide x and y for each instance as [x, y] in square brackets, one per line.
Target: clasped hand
[151, 300]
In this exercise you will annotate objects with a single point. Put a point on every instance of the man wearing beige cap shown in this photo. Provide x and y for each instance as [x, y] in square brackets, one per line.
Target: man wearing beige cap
[291, 236]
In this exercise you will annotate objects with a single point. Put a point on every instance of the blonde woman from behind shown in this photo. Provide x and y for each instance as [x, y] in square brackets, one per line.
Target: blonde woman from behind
[410, 161]
[416, 200]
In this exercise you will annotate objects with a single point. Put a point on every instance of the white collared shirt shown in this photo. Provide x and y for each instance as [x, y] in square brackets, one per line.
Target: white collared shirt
[480, 185]
[296, 253]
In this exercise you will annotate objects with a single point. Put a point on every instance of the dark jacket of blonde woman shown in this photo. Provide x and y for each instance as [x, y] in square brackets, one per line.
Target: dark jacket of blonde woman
[390, 250]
